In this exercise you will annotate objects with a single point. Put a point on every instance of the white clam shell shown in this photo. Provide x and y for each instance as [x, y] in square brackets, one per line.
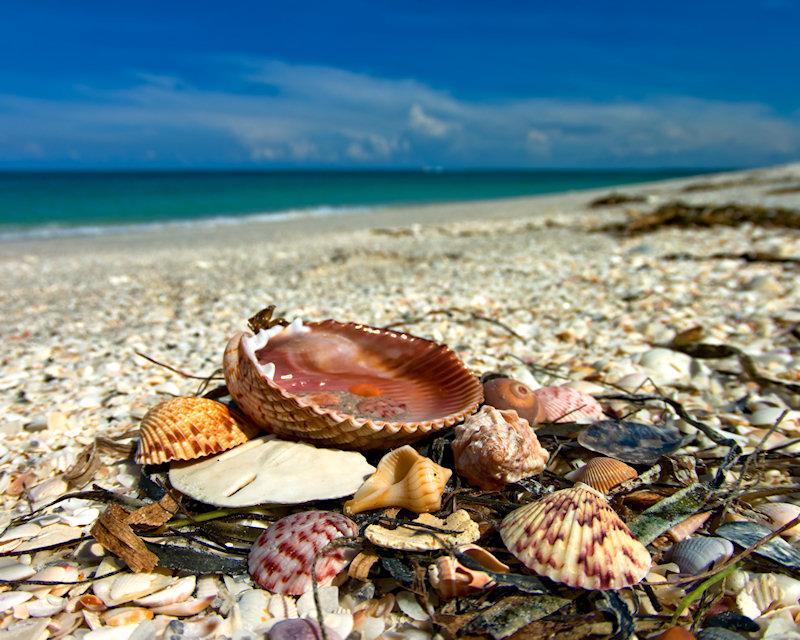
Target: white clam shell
[11, 599]
[696, 555]
[174, 593]
[268, 470]
[45, 607]
[665, 366]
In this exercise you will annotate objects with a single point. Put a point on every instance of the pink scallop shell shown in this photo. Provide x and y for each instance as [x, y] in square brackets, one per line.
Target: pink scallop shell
[283, 557]
[565, 404]
[412, 386]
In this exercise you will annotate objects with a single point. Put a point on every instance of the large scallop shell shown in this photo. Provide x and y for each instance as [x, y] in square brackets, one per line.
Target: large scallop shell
[283, 558]
[348, 386]
[605, 473]
[189, 428]
[404, 478]
[493, 448]
[574, 537]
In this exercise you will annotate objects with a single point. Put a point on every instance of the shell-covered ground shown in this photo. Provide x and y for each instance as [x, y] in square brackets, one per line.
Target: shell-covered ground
[542, 295]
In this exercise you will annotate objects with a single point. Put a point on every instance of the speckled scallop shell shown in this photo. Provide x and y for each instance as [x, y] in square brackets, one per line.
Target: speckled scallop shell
[696, 555]
[605, 473]
[565, 404]
[574, 537]
[348, 386]
[189, 428]
[404, 478]
[493, 448]
[506, 394]
[283, 557]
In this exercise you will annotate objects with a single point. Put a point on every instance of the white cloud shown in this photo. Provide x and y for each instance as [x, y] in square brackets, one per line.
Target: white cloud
[296, 114]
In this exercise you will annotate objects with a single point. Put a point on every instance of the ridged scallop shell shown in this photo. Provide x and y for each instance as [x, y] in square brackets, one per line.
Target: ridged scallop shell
[283, 558]
[189, 428]
[772, 590]
[565, 404]
[696, 555]
[493, 448]
[348, 386]
[776, 514]
[404, 478]
[506, 394]
[605, 473]
[574, 537]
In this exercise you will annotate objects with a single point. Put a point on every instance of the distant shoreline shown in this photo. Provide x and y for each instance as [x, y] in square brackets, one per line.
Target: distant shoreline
[42, 205]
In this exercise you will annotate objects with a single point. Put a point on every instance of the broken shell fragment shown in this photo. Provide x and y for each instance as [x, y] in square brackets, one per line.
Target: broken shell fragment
[605, 473]
[631, 442]
[696, 555]
[565, 404]
[452, 579]
[506, 394]
[409, 537]
[493, 448]
[404, 478]
[268, 470]
[574, 537]
[405, 387]
[189, 428]
[777, 514]
[283, 558]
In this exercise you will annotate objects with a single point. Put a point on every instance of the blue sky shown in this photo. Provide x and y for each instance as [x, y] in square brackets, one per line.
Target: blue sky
[400, 84]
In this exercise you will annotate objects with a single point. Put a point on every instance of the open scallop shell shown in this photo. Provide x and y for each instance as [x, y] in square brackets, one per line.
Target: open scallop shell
[189, 428]
[565, 404]
[574, 537]
[348, 386]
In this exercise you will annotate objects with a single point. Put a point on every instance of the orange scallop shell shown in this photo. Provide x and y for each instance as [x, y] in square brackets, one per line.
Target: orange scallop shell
[393, 388]
[189, 428]
[605, 473]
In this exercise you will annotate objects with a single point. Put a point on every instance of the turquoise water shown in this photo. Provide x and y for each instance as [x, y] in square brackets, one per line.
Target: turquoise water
[55, 203]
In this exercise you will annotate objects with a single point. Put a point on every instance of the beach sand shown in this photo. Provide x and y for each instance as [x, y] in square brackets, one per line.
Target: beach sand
[501, 282]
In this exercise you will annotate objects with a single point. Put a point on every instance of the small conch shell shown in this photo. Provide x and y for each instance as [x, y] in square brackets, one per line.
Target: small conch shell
[776, 514]
[506, 394]
[493, 448]
[189, 428]
[404, 478]
[573, 536]
[452, 579]
[605, 473]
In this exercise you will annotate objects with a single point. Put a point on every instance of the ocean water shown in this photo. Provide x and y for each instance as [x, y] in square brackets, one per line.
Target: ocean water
[40, 204]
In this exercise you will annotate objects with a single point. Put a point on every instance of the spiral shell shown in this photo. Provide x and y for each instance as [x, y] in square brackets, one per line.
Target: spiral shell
[696, 555]
[574, 537]
[493, 448]
[189, 428]
[283, 558]
[404, 479]
[605, 473]
[506, 394]
[565, 404]
[347, 385]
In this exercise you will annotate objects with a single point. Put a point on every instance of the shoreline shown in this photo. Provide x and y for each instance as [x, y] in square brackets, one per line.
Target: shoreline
[291, 225]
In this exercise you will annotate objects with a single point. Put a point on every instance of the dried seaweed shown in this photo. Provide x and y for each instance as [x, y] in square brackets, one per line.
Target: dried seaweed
[614, 199]
[195, 561]
[508, 616]
[684, 215]
[669, 512]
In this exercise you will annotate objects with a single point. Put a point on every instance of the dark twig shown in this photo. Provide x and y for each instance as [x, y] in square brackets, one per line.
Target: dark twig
[184, 374]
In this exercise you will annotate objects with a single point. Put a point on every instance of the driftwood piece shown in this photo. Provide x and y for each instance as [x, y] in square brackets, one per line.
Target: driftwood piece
[114, 533]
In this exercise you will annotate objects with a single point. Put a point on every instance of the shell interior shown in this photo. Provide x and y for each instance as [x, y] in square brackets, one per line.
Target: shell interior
[364, 372]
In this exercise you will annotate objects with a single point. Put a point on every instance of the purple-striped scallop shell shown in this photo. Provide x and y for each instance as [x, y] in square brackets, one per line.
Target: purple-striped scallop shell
[283, 557]
[565, 404]
[573, 536]
[348, 386]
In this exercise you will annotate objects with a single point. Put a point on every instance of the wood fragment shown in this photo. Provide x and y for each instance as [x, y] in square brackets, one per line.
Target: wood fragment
[154, 515]
[113, 532]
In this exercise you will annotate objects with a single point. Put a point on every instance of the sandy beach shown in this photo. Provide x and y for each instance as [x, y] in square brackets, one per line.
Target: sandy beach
[526, 286]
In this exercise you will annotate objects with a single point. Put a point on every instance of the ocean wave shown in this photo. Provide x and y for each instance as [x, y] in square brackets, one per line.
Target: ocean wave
[45, 232]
